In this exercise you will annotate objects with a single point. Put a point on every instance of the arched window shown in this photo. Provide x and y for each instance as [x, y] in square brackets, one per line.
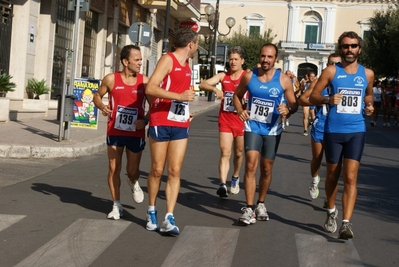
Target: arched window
[311, 27]
[255, 24]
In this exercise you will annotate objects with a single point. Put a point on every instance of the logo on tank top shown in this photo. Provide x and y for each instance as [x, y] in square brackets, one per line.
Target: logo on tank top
[263, 87]
[119, 87]
[341, 76]
[359, 81]
[177, 69]
[274, 92]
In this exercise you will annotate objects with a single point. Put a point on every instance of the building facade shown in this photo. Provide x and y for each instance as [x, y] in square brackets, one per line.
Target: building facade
[306, 30]
[39, 44]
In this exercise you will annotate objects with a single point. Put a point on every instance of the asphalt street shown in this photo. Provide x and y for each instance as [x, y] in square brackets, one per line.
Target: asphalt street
[53, 211]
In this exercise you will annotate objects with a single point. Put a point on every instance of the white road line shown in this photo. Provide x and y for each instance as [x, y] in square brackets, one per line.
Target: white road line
[203, 246]
[78, 245]
[6, 220]
[316, 250]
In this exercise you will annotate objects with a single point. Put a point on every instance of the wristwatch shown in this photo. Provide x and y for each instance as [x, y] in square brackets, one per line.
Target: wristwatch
[326, 100]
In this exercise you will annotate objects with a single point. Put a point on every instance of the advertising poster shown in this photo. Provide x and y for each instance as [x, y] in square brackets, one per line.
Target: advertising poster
[85, 112]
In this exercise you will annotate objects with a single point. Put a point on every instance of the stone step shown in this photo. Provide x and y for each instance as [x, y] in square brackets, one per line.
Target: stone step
[23, 114]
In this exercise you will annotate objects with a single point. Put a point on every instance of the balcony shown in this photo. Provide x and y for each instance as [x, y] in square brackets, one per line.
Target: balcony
[176, 11]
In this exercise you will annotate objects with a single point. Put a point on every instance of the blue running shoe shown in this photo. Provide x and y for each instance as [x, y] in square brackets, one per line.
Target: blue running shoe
[152, 222]
[169, 227]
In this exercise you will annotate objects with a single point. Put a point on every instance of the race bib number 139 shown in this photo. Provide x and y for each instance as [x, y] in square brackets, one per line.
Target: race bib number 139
[125, 118]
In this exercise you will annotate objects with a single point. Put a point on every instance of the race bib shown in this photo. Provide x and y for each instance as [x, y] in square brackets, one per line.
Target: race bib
[228, 102]
[125, 118]
[261, 110]
[351, 101]
[178, 111]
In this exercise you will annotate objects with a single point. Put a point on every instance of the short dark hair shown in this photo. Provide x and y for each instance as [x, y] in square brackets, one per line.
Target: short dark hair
[184, 36]
[125, 53]
[269, 44]
[351, 35]
[236, 50]
[335, 54]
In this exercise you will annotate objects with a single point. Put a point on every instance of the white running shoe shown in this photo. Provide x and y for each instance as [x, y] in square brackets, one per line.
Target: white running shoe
[248, 216]
[261, 212]
[116, 213]
[169, 227]
[152, 221]
[235, 186]
[287, 122]
[137, 193]
[313, 189]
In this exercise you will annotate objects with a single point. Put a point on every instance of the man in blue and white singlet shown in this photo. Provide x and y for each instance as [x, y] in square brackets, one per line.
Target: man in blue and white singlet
[350, 99]
[267, 88]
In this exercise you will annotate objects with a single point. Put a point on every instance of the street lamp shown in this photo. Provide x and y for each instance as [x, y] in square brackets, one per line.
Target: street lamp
[212, 15]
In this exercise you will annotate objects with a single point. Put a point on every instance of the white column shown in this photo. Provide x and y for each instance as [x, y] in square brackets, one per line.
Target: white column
[329, 25]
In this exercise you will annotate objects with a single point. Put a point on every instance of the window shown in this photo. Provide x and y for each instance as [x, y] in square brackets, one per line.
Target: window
[89, 46]
[254, 30]
[311, 32]
[255, 24]
[63, 41]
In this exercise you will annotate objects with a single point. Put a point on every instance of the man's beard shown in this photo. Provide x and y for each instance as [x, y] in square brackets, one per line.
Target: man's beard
[350, 59]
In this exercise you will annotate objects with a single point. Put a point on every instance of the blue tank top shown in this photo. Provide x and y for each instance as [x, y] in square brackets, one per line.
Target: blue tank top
[263, 100]
[348, 115]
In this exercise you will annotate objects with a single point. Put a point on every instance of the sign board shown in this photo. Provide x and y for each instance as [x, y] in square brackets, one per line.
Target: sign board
[84, 5]
[85, 112]
[140, 33]
[190, 24]
[293, 45]
[322, 46]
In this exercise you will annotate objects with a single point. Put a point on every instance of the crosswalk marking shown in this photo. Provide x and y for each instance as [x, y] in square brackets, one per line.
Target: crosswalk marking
[78, 245]
[203, 246]
[316, 250]
[6, 220]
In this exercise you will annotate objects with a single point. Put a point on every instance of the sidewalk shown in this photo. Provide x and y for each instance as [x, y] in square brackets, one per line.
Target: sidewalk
[38, 137]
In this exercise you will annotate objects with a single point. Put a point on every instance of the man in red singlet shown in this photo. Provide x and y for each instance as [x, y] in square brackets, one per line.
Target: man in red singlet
[231, 128]
[126, 124]
[169, 87]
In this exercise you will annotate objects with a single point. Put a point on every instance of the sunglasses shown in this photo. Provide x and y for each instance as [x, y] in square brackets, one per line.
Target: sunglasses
[332, 62]
[346, 46]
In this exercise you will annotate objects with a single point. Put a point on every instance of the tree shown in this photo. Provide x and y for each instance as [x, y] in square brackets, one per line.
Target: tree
[251, 45]
[380, 51]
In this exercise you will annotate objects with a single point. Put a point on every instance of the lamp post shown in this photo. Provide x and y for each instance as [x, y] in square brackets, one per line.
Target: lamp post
[213, 16]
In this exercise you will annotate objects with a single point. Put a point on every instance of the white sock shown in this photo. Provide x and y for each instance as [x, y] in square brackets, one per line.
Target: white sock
[345, 221]
[167, 214]
[331, 210]
[151, 208]
[117, 202]
[315, 179]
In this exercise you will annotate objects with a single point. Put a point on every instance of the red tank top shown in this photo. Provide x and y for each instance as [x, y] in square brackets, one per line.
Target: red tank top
[166, 112]
[227, 112]
[127, 103]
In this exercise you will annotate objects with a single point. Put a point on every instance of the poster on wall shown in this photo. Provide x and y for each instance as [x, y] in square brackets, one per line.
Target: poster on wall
[85, 112]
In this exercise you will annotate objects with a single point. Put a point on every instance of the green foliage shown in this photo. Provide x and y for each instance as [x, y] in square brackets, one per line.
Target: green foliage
[5, 83]
[380, 51]
[36, 88]
[251, 45]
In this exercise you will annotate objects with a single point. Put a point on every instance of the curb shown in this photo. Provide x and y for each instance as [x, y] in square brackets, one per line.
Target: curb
[85, 148]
